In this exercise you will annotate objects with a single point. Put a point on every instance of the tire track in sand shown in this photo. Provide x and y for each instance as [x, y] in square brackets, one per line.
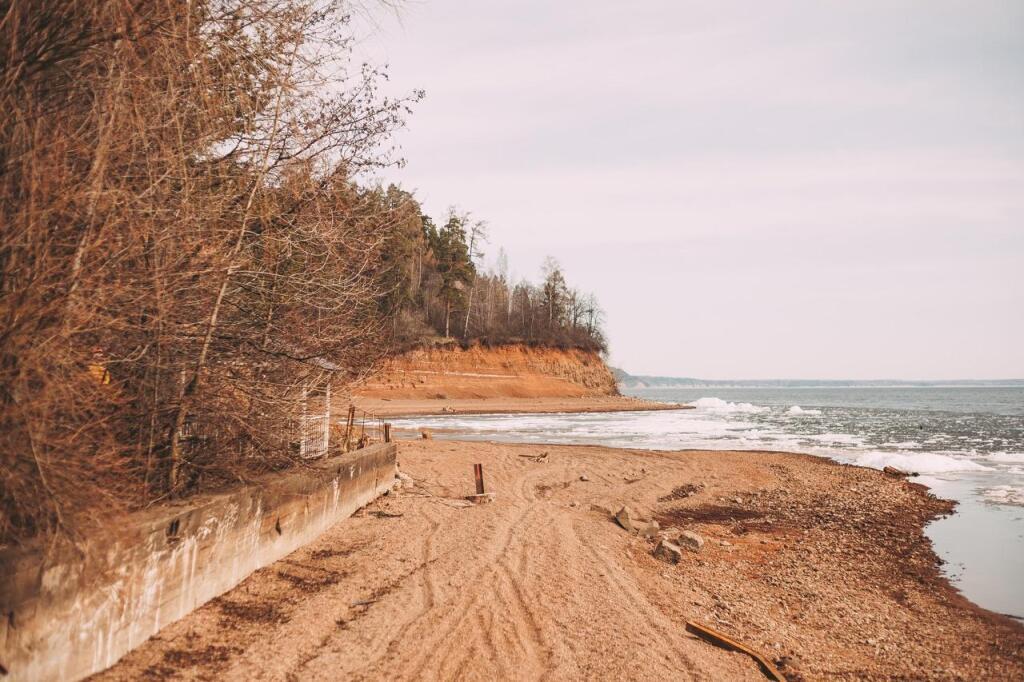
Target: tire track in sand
[638, 604]
[566, 546]
[489, 603]
[427, 587]
[426, 598]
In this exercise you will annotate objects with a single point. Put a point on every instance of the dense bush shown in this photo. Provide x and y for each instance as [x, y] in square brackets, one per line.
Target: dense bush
[189, 248]
[183, 245]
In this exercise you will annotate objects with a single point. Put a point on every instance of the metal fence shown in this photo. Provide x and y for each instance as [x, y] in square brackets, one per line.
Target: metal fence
[315, 422]
[314, 433]
[363, 428]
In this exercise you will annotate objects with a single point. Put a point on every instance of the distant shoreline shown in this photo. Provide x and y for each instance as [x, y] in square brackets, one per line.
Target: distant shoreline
[676, 387]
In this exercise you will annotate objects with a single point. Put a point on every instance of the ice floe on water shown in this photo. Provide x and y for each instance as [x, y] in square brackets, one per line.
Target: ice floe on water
[919, 463]
[796, 409]
[722, 406]
[1004, 494]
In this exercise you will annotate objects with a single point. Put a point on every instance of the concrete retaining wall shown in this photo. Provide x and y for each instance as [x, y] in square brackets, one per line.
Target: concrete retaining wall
[65, 614]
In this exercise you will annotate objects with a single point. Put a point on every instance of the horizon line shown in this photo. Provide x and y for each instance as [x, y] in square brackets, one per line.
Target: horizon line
[877, 380]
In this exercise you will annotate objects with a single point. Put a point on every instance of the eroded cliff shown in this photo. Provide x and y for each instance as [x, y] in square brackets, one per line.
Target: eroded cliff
[512, 371]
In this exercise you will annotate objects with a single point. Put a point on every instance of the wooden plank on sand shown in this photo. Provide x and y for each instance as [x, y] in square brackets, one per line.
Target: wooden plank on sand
[719, 639]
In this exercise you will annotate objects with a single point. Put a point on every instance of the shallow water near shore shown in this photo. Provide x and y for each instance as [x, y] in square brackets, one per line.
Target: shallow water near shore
[967, 444]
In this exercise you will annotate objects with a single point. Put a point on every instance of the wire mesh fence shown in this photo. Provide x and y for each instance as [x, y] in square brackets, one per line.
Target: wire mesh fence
[315, 432]
[362, 428]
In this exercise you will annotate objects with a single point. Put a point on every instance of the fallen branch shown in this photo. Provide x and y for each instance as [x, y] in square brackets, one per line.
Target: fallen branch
[718, 639]
[364, 602]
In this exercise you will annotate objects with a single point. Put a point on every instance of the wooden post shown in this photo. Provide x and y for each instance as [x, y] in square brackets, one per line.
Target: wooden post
[348, 427]
[387, 432]
[478, 474]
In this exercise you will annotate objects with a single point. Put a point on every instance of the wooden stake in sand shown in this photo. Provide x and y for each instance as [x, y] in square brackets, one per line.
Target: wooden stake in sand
[480, 497]
[715, 637]
[478, 474]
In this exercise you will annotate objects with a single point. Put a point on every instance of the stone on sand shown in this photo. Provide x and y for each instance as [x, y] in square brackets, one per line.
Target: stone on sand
[668, 551]
[690, 540]
[625, 519]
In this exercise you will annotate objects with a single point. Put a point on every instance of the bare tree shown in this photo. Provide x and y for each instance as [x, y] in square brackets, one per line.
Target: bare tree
[477, 234]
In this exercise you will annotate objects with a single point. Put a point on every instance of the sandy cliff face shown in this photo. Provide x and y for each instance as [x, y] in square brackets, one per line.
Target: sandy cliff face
[499, 372]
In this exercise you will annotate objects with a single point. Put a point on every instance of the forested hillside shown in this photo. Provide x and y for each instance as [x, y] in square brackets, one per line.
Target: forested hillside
[437, 287]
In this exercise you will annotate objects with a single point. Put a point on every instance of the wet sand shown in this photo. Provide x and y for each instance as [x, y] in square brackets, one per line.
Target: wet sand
[397, 407]
[822, 567]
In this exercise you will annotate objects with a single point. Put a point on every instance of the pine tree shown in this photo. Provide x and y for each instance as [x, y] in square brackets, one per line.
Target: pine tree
[454, 265]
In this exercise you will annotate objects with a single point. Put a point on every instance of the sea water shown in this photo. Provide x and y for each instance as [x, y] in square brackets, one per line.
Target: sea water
[966, 443]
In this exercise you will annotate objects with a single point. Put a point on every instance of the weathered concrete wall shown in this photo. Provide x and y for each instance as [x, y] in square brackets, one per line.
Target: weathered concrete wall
[67, 614]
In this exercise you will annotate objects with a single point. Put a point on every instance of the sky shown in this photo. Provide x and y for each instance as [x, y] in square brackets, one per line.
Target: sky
[830, 190]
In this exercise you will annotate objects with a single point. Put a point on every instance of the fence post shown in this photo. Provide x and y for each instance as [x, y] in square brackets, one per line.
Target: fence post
[348, 427]
[387, 432]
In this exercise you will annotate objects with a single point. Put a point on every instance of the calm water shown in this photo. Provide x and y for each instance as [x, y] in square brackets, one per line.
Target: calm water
[966, 442]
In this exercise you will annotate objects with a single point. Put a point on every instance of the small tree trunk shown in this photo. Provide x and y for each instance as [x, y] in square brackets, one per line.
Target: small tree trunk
[469, 307]
[188, 388]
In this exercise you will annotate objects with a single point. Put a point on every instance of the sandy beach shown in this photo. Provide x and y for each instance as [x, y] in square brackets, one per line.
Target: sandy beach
[821, 567]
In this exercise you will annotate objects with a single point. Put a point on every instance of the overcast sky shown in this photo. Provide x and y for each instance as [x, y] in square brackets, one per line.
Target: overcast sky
[753, 190]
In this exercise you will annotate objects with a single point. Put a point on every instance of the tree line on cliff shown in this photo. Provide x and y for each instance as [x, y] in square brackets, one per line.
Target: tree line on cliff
[189, 248]
[436, 287]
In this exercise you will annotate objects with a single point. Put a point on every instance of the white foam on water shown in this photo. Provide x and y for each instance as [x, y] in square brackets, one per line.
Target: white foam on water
[722, 406]
[837, 439]
[716, 425]
[1004, 494]
[905, 445]
[919, 463]
[796, 409]
[1006, 457]
[684, 429]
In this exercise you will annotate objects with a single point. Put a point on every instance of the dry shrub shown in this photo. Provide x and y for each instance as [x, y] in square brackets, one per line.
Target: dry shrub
[183, 246]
